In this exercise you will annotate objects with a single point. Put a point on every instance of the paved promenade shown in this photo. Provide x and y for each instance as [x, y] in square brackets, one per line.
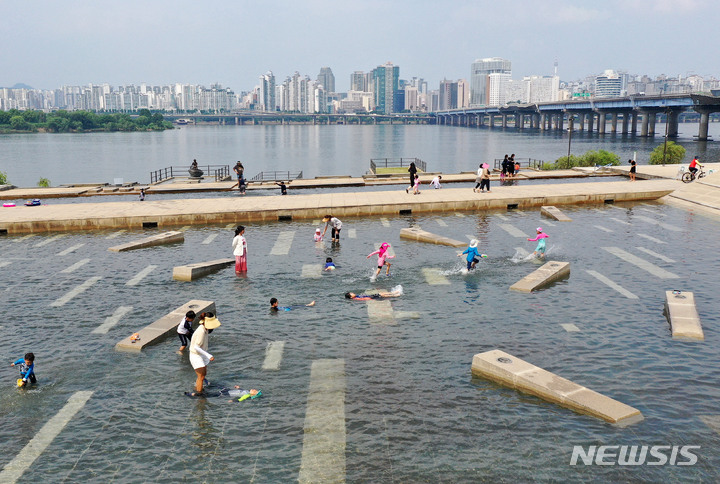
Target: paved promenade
[168, 213]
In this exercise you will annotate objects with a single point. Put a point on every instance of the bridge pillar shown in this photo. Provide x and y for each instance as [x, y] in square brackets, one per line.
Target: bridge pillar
[613, 122]
[543, 120]
[601, 122]
[645, 124]
[536, 120]
[704, 124]
[590, 121]
[571, 122]
[633, 124]
[625, 122]
[581, 122]
[672, 120]
[504, 120]
[519, 121]
[492, 120]
[651, 124]
[559, 121]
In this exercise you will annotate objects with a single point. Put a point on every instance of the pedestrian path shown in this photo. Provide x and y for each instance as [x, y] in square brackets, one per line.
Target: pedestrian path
[283, 243]
[641, 263]
[273, 355]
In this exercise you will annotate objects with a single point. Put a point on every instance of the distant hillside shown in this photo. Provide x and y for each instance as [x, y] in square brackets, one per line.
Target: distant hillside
[19, 85]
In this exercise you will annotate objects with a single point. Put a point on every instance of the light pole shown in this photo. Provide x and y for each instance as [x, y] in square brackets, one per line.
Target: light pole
[570, 130]
[667, 125]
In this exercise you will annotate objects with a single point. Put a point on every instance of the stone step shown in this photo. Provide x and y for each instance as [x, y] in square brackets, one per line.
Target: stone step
[423, 236]
[546, 274]
[159, 239]
[507, 370]
[191, 272]
[165, 326]
[554, 212]
[682, 315]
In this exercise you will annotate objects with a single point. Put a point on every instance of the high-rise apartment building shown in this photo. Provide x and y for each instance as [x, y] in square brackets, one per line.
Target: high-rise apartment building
[266, 96]
[385, 87]
[357, 82]
[463, 93]
[480, 71]
[495, 89]
[448, 95]
[327, 79]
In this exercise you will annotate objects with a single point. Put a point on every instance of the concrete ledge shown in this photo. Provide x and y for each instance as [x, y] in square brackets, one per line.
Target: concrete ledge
[513, 372]
[191, 272]
[682, 315]
[160, 239]
[554, 212]
[165, 326]
[423, 236]
[548, 273]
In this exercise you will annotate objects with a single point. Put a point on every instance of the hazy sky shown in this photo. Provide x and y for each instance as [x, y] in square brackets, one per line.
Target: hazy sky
[55, 43]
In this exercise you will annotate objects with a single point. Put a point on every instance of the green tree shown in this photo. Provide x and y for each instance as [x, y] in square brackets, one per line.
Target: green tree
[18, 123]
[3, 178]
[674, 154]
[43, 182]
[4, 117]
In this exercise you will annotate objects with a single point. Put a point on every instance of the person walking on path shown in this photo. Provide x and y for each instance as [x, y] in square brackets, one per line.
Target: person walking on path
[199, 356]
[505, 167]
[435, 183]
[336, 225]
[239, 246]
[412, 170]
[239, 169]
[633, 169]
[478, 178]
[484, 178]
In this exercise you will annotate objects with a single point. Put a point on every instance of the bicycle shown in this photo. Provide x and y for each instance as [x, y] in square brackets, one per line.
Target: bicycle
[690, 176]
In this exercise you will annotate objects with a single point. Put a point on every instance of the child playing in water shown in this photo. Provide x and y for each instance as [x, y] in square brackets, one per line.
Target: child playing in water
[27, 369]
[540, 238]
[473, 256]
[329, 264]
[318, 235]
[396, 292]
[185, 330]
[383, 255]
[275, 308]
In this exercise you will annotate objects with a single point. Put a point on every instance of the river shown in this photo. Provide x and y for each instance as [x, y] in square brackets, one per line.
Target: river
[314, 150]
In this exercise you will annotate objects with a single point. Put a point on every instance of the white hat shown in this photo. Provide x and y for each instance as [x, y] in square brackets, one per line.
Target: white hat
[473, 243]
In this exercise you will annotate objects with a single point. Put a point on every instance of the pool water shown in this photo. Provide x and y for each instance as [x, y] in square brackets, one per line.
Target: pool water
[413, 411]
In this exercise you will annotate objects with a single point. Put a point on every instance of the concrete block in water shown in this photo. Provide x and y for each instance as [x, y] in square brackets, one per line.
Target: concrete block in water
[682, 314]
[553, 212]
[544, 275]
[159, 239]
[191, 272]
[165, 326]
[423, 236]
[513, 372]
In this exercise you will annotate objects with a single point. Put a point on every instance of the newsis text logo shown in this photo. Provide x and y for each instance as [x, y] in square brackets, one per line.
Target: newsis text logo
[634, 455]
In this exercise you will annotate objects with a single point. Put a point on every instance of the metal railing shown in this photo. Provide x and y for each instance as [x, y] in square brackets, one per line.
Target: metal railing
[524, 162]
[277, 175]
[376, 163]
[219, 172]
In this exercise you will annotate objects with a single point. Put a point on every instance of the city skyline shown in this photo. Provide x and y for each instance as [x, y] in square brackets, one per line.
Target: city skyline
[168, 42]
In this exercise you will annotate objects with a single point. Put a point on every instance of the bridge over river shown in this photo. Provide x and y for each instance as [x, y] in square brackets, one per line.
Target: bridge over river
[593, 113]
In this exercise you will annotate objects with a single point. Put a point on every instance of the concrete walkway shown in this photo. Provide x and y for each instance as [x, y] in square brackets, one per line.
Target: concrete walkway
[167, 213]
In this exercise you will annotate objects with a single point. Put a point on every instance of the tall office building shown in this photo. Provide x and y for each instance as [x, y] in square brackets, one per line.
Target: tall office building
[266, 96]
[448, 95]
[327, 79]
[357, 82]
[496, 88]
[480, 71]
[385, 83]
[609, 84]
[463, 93]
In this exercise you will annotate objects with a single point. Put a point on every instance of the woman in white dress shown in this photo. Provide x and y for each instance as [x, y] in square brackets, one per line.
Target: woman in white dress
[199, 356]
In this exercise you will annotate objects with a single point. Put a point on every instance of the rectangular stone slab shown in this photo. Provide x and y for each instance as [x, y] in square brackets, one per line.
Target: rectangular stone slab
[165, 326]
[682, 314]
[191, 272]
[553, 212]
[548, 273]
[159, 239]
[507, 370]
[423, 236]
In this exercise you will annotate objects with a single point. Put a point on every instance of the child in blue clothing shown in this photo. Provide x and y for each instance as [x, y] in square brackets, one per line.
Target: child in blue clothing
[27, 369]
[329, 264]
[473, 256]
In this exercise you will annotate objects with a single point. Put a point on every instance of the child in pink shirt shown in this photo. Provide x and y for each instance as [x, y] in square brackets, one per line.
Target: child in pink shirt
[383, 255]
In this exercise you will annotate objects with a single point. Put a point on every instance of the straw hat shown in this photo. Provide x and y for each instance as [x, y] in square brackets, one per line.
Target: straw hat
[473, 243]
[211, 322]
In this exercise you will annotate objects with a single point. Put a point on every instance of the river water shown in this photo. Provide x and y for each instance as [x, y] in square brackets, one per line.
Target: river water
[314, 150]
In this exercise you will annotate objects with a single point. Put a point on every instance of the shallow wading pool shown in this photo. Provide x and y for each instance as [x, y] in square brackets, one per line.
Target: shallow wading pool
[412, 410]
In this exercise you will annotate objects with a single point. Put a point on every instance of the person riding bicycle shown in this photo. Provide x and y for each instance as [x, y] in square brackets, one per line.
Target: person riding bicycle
[694, 164]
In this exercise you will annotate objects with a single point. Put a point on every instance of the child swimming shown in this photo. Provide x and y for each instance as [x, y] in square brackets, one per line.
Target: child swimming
[329, 264]
[274, 307]
[383, 255]
[27, 369]
[396, 291]
[540, 238]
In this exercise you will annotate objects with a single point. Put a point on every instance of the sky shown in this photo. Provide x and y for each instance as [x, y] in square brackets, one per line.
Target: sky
[76, 42]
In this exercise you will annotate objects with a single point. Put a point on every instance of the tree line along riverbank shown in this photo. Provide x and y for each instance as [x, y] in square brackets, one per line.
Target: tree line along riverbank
[30, 121]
